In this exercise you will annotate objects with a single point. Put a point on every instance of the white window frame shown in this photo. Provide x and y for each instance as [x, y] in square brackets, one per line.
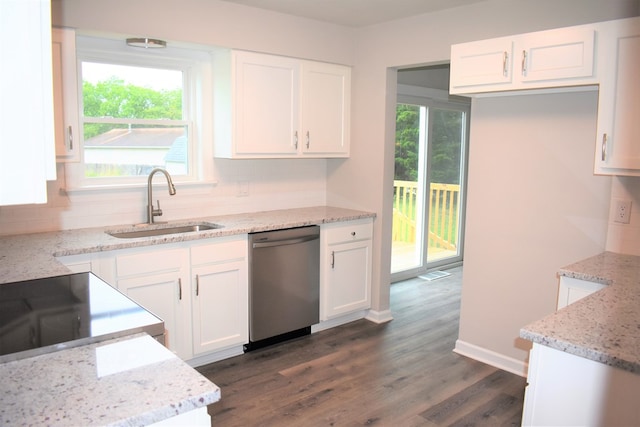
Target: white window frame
[195, 62]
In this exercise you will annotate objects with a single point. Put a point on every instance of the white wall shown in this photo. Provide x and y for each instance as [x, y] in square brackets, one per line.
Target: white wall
[366, 180]
[533, 206]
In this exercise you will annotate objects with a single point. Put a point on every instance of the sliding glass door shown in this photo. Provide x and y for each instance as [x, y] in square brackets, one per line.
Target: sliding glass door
[428, 211]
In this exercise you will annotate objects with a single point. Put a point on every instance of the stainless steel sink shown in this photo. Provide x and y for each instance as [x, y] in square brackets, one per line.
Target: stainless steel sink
[161, 231]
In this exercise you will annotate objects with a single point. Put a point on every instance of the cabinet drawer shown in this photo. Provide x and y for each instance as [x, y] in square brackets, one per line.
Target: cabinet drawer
[146, 262]
[218, 250]
[349, 231]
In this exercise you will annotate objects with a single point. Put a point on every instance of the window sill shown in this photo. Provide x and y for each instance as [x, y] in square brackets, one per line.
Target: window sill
[111, 188]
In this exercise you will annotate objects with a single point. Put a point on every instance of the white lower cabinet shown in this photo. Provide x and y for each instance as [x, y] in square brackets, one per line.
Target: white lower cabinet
[157, 279]
[572, 290]
[345, 268]
[220, 305]
[200, 290]
[568, 390]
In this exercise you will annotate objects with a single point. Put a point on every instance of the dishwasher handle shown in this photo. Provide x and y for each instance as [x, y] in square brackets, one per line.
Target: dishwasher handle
[283, 242]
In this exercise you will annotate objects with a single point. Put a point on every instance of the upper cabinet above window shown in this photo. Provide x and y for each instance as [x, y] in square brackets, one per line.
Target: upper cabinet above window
[268, 106]
[562, 57]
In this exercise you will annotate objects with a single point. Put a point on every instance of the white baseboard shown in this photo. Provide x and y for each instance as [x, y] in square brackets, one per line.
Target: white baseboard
[492, 358]
[337, 321]
[379, 316]
[215, 357]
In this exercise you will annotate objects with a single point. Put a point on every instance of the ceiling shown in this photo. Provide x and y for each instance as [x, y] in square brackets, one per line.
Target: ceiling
[354, 13]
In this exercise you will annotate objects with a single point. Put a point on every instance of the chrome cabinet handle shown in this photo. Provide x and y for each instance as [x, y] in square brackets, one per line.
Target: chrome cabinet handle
[505, 58]
[524, 62]
[70, 138]
[197, 284]
[179, 288]
[295, 139]
[333, 259]
[308, 139]
[604, 147]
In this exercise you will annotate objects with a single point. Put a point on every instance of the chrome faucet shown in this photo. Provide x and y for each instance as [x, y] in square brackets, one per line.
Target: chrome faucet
[151, 211]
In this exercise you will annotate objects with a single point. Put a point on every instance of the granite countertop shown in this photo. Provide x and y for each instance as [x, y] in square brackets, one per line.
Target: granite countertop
[32, 256]
[604, 326]
[127, 381]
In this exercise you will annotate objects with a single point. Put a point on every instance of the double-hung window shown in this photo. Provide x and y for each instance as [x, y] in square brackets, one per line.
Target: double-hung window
[140, 109]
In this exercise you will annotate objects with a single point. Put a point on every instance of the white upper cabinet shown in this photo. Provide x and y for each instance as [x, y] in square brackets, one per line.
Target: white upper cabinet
[618, 137]
[65, 94]
[482, 64]
[269, 106]
[325, 114]
[27, 149]
[265, 105]
[554, 58]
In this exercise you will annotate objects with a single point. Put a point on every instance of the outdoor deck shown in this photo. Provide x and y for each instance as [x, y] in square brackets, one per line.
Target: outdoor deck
[404, 256]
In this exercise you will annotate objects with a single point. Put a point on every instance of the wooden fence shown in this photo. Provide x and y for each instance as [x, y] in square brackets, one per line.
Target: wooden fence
[443, 214]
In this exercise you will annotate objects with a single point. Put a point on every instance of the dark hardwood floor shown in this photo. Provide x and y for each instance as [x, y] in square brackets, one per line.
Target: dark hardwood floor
[402, 373]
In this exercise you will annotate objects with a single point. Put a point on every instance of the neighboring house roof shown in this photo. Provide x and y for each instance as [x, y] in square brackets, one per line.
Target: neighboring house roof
[140, 137]
[178, 151]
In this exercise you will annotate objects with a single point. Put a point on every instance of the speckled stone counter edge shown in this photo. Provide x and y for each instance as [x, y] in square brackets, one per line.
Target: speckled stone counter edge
[67, 387]
[605, 326]
[32, 256]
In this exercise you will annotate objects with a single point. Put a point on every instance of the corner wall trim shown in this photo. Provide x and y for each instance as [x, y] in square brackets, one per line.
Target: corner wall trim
[492, 358]
[379, 316]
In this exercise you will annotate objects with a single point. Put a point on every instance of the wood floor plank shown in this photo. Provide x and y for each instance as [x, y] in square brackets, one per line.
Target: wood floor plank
[402, 373]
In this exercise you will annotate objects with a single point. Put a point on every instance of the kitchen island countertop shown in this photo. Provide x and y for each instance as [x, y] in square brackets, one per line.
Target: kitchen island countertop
[604, 326]
[122, 382]
[32, 256]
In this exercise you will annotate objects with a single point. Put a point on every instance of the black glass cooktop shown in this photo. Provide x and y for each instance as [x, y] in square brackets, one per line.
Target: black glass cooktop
[64, 311]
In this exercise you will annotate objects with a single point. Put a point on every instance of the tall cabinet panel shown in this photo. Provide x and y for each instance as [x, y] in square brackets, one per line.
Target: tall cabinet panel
[618, 138]
[27, 148]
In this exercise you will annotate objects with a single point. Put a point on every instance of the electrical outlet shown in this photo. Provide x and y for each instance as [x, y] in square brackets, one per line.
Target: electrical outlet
[622, 213]
[243, 188]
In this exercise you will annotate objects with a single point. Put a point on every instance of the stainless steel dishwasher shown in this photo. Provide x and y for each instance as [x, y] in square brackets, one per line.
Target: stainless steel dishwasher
[284, 284]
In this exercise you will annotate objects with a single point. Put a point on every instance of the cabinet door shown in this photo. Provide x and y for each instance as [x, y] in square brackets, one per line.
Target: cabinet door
[572, 290]
[326, 104]
[164, 295]
[158, 281]
[346, 268]
[618, 137]
[65, 94]
[566, 53]
[349, 278]
[266, 92]
[482, 63]
[220, 306]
